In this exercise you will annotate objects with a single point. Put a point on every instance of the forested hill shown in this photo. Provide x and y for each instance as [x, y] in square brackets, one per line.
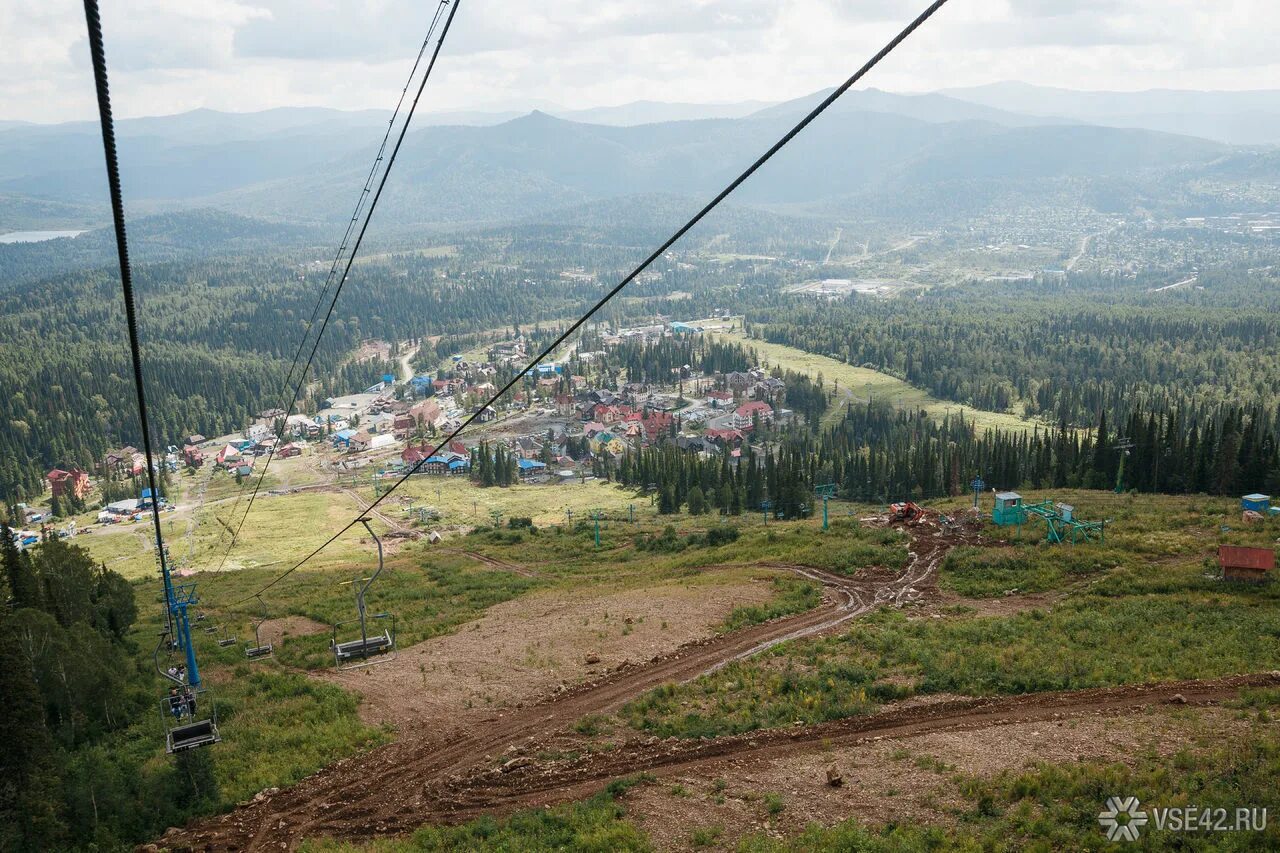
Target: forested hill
[163, 237]
[218, 337]
[1061, 351]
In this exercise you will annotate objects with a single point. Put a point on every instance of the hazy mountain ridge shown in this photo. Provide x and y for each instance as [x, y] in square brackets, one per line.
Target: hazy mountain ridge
[307, 165]
[1241, 118]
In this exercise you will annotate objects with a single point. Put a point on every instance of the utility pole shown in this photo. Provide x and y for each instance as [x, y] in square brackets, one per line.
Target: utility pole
[977, 485]
[1124, 445]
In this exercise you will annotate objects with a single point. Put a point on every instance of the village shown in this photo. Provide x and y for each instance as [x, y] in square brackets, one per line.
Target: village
[569, 421]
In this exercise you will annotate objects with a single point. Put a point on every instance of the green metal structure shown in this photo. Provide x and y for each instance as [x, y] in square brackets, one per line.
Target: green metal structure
[826, 491]
[1061, 525]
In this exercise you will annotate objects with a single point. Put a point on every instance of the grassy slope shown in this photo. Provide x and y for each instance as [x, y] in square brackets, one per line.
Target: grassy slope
[1137, 608]
[857, 382]
[1041, 807]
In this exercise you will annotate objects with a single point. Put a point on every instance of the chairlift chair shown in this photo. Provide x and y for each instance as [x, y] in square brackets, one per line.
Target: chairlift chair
[259, 649]
[183, 728]
[226, 639]
[369, 648]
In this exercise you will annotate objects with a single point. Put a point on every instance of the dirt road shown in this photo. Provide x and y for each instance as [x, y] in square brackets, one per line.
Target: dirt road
[491, 562]
[443, 775]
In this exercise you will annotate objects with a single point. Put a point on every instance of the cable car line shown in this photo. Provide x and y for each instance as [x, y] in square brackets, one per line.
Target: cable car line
[653, 256]
[183, 728]
[98, 55]
[350, 256]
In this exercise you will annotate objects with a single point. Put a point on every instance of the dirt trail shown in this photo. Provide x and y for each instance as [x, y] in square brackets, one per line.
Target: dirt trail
[492, 562]
[424, 777]
[501, 790]
[364, 505]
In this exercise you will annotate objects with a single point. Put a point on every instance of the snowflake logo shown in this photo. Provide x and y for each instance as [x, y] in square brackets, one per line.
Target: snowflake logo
[1122, 818]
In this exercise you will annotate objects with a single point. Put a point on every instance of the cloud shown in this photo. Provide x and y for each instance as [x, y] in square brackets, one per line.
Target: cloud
[513, 54]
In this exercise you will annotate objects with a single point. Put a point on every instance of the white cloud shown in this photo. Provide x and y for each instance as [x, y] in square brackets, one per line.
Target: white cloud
[512, 54]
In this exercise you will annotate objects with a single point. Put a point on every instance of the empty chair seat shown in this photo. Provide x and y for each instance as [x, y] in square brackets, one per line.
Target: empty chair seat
[363, 648]
[192, 735]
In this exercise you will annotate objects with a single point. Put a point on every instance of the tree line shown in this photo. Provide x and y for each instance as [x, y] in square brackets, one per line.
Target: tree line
[75, 690]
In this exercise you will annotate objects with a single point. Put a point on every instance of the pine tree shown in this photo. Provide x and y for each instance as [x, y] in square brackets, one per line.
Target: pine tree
[24, 590]
[28, 782]
[697, 501]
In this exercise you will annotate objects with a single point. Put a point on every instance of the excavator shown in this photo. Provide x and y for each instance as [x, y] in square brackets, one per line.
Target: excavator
[907, 511]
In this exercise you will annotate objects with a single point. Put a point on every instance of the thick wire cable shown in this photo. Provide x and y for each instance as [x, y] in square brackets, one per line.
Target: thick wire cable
[99, 58]
[653, 256]
[364, 194]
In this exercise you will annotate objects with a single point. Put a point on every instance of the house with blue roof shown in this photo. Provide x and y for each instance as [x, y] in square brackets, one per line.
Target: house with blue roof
[342, 438]
[529, 467]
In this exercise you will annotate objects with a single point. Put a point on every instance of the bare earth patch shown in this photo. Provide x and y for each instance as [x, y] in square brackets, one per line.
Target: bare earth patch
[529, 647]
[278, 631]
[900, 780]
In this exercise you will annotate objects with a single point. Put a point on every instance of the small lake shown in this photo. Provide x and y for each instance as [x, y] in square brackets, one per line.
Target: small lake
[36, 236]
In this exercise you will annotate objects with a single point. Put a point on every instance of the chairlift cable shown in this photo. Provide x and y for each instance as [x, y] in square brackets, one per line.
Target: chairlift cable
[653, 256]
[179, 736]
[97, 53]
[350, 256]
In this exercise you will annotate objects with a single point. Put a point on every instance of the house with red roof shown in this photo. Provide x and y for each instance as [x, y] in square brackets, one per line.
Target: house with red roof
[658, 423]
[62, 483]
[725, 437]
[744, 416]
[719, 399]
[229, 457]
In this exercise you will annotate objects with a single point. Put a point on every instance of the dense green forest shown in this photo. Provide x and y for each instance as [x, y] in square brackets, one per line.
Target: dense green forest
[72, 681]
[878, 453]
[1060, 350]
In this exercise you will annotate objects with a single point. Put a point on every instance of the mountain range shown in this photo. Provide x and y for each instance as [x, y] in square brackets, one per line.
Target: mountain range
[934, 154]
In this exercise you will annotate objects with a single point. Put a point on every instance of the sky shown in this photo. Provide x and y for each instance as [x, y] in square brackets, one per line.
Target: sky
[517, 55]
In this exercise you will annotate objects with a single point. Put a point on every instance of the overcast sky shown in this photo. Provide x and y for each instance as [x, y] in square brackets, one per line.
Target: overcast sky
[242, 55]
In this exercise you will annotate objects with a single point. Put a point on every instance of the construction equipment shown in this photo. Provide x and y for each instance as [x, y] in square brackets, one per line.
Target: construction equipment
[357, 652]
[907, 511]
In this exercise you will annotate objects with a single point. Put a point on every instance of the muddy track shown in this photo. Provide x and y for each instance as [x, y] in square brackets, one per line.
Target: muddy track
[496, 790]
[492, 562]
[368, 794]
[364, 505]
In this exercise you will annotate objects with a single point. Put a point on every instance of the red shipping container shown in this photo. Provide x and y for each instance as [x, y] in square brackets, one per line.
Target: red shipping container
[1241, 557]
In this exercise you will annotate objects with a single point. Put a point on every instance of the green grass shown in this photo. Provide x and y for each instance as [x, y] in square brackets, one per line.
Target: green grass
[461, 503]
[856, 383]
[990, 573]
[429, 596]
[791, 595]
[279, 727]
[1138, 608]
